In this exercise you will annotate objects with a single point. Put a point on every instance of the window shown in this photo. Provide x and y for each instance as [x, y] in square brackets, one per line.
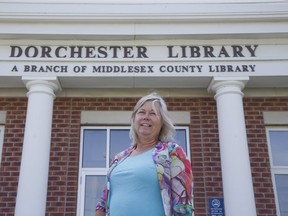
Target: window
[278, 147]
[98, 147]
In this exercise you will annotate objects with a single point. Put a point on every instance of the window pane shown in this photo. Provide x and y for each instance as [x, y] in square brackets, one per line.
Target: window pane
[119, 141]
[180, 138]
[279, 147]
[94, 149]
[282, 192]
[93, 189]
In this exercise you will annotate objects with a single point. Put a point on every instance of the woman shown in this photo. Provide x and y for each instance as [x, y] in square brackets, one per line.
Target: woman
[152, 177]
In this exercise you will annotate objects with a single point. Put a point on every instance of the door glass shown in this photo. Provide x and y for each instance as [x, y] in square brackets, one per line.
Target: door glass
[119, 141]
[180, 138]
[282, 192]
[279, 147]
[93, 189]
[94, 149]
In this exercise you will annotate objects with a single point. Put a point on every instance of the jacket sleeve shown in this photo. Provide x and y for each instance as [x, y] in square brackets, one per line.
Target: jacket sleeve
[101, 205]
[181, 182]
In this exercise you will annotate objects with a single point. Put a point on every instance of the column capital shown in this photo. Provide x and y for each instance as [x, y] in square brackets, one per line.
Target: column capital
[48, 85]
[222, 85]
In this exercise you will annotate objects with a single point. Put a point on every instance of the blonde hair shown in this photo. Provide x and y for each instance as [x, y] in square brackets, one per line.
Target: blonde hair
[167, 131]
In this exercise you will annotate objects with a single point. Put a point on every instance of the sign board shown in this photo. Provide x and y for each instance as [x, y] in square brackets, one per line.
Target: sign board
[130, 60]
[216, 206]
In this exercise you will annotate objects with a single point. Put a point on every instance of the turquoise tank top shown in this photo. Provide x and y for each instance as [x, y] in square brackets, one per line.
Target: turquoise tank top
[134, 188]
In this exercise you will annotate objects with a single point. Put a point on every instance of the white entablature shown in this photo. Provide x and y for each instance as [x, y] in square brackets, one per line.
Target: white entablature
[219, 24]
[128, 19]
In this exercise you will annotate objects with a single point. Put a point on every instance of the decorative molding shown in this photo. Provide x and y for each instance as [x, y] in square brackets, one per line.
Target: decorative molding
[117, 93]
[3, 117]
[123, 117]
[127, 20]
[275, 118]
[149, 11]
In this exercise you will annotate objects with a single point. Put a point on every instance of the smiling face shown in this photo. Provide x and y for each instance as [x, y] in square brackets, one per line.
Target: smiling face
[148, 121]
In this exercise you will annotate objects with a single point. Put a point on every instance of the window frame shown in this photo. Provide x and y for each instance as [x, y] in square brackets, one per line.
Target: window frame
[2, 130]
[84, 172]
[275, 170]
[187, 139]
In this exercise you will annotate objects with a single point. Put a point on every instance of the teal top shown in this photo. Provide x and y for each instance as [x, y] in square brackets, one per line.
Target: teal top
[174, 177]
[135, 189]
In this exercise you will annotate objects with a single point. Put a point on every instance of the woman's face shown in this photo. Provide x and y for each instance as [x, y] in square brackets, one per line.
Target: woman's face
[148, 122]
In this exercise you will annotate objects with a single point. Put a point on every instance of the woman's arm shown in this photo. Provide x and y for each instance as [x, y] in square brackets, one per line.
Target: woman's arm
[101, 205]
[181, 178]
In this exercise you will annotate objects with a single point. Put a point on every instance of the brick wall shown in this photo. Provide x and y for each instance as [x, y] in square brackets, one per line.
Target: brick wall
[11, 154]
[64, 154]
[258, 147]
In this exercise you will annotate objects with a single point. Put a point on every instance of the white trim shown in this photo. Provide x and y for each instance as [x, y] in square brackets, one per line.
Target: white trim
[71, 20]
[117, 93]
[123, 117]
[283, 170]
[105, 117]
[275, 118]
[141, 1]
[2, 117]
[107, 147]
[2, 129]
[80, 189]
[188, 142]
[129, 10]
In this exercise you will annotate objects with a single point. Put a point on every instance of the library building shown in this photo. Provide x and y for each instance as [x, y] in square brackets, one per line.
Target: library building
[71, 72]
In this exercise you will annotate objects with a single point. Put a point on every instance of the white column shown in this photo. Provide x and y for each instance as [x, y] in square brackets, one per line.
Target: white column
[239, 197]
[33, 179]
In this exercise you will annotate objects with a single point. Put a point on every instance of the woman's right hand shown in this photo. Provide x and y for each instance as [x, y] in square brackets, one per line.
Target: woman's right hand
[100, 213]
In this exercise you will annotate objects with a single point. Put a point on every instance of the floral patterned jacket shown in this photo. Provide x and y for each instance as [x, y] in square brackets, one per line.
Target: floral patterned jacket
[174, 176]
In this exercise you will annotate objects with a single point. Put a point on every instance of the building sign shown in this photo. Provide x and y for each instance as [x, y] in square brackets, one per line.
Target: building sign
[131, 52]
[183, 60]
[216, 207]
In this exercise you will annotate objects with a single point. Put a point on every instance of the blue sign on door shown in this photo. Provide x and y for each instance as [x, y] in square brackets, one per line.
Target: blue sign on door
[216, 207]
